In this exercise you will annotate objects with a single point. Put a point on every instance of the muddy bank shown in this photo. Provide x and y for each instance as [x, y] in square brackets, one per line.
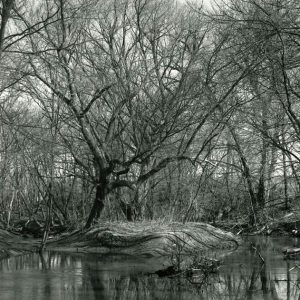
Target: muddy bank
[147, 239]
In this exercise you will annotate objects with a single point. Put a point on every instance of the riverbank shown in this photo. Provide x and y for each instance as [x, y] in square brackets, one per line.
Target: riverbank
[13, 244]
[286, 224]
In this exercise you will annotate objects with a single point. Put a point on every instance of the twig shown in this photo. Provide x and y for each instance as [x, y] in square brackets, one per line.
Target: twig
[258, 253]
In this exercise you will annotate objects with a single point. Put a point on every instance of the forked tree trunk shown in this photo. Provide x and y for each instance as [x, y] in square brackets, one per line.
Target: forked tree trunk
[98, 204]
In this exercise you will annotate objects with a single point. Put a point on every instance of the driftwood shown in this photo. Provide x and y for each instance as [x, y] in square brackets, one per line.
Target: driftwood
[147, 239]
[197, 270]
[286, 225]
[292, 252]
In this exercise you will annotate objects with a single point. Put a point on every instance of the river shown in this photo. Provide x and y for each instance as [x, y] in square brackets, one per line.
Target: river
[64, 276]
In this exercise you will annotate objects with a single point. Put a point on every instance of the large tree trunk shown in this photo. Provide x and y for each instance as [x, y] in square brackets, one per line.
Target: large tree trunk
[247, 176]
[98, 204]
[127, 210]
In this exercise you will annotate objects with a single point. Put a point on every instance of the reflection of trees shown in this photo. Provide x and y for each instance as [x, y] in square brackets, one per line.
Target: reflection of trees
[96, 280]
[109, 285]
[253, 281]
[241, 284]
[63, 276]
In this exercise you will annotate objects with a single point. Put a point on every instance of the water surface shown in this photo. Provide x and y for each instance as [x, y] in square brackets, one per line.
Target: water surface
[61, 276]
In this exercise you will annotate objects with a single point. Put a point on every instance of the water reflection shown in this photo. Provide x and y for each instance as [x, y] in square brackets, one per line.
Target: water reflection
[61, 276]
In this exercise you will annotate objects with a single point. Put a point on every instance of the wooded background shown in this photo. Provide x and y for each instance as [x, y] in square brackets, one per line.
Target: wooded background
[148, 109]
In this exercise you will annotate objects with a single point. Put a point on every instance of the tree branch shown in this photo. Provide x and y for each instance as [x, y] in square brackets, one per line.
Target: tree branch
[97, 95]
[161, 165]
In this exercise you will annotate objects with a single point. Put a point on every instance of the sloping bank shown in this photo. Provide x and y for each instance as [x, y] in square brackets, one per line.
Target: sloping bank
[142, 239]
[147, 239]
[13, 244]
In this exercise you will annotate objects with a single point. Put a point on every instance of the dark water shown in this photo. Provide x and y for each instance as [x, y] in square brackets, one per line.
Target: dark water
[60, 276]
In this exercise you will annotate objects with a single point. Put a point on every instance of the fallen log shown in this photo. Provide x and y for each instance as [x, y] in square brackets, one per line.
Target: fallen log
[147, 239]
[290, 253]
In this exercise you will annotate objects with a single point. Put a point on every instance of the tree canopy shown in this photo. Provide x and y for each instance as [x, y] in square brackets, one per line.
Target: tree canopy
[139, 109]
